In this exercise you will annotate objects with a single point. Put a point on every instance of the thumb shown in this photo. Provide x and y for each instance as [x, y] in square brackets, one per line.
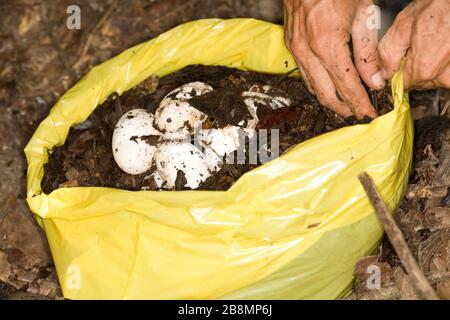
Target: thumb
[395, 43]
[365, 42]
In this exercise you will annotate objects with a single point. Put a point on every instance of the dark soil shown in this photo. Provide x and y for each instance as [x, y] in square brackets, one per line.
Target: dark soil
[430, 133]
[86, 158]
[423, 218]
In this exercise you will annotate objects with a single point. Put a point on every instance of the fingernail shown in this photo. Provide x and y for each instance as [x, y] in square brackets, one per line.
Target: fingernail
[378, 80]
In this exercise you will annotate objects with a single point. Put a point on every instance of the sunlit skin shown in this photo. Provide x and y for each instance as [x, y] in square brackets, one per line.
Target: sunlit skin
[318, 33]
[421, 32]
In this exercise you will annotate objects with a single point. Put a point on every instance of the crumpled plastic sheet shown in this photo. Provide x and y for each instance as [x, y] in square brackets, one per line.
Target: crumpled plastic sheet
[292, 228]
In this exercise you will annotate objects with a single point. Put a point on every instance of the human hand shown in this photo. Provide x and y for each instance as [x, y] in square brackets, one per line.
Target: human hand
[421, 32]
[317, 32]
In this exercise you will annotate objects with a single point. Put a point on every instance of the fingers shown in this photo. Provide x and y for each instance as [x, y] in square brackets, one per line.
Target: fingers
[315, 75]
[287, 22]
[348, 83]
[325, 89]
[426, 68]
[365, 43]
[444, 77]
[336, 58]
[296, 42]
[321, 83]
[323, 55]
[305, 77]
[396, 42]
[418, 76]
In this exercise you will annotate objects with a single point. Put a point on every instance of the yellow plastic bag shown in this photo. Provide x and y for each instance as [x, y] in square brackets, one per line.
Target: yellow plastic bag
[290, 229]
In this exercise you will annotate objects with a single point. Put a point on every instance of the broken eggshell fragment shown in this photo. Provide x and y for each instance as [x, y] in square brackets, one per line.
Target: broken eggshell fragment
[134, 141]
[189, 90]
[174, 156]
[213, 161]
[175, 116]
[155, 181]
[223, 140]
[226, 140]
[266, 95]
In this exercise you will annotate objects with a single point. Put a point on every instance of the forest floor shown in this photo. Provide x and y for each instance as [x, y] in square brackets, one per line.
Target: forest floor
[40, 59]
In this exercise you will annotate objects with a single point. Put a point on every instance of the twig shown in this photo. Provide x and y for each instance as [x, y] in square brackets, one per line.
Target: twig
[177, 10]
[92, 32]
[441, 179]
[442, 176]
[153, 24]
[396, 238]
[62, 55]
[435, 103]
[445, 108]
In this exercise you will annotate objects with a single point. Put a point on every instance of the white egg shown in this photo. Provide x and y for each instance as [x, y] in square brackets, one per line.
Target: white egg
[175, 114]
[174, 156]
[132, 152]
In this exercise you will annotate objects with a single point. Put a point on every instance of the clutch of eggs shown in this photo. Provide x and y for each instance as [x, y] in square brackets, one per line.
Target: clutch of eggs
[142, 141]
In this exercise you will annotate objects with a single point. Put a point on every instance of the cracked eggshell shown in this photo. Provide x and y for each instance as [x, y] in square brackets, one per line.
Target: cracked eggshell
[213, 161]
[189, 90]
[132, 153]
[175, 114]
[222, 141]
[182, 134]
[179, 155]
[156, 178]
[267, 95]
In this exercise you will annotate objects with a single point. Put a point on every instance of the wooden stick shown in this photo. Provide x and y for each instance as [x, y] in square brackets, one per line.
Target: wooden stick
[92, 32]
[397, 240]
